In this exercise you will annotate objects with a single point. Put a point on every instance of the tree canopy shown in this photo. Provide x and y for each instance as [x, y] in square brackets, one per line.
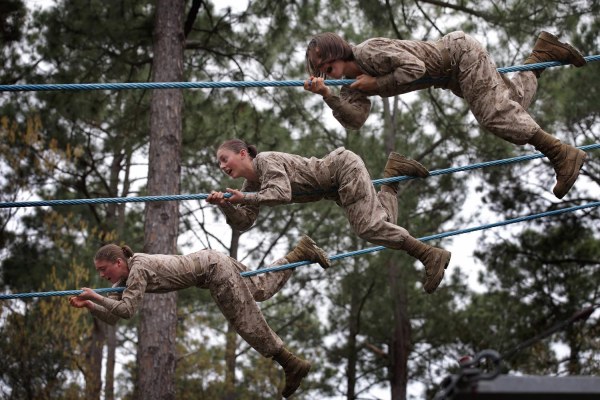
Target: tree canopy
[365, 324]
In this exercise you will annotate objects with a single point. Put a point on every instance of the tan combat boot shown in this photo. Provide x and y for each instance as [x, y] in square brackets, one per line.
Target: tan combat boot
[435, 260]
[566, 160]
[307, 250]
[398, 165]
[295, 370]
[549, 48]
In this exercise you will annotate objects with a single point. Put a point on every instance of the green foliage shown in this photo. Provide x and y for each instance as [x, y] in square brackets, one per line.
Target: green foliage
[41, 344]
[12, 14]
[554, 277]
[94, 143]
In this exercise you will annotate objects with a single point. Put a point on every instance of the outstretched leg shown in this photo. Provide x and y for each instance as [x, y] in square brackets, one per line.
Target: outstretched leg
[490, 102]
[397, 165]
[235, 301]
[370, 220]
[295, 370]
[435, 260]
[566, 160]
[549, 48]
[264, 286]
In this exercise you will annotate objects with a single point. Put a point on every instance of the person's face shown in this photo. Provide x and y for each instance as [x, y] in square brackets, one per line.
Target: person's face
[232, 163]
[332, 68]
[112, 271]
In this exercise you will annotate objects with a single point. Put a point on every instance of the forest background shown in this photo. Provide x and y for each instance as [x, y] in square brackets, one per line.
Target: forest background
[366, 324]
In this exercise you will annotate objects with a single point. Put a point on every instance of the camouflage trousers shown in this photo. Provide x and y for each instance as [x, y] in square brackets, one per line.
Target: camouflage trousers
[236, 297]
[371, 214]
[498, 103]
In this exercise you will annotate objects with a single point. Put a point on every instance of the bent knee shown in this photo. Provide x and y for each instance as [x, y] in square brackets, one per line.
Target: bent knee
[370, 231]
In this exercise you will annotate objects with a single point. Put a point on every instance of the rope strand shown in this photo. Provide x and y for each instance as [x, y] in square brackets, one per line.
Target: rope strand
[203, 196]
[233, 84]
[334, 257]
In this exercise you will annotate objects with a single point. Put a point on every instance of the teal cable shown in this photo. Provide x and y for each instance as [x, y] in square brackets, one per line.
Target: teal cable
[202, 196]
[333, 257]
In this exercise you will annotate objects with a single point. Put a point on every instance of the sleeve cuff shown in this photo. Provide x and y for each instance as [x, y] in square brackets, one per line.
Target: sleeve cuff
[386, 82]
[333, 102]
[227, 206]
[106, 302]
[250, 198]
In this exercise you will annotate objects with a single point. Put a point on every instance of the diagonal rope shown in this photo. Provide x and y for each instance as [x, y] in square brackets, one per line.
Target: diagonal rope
[427, 238]
[231, 84]
[462, 382]
[334, 257]
[583, 314]
[471, 167]
[58, 293]
[202, 196]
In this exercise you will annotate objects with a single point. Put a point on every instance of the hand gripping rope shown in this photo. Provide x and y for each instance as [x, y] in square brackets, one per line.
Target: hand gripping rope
[233, 84]
[203, 196]
[169, 85]
[334, 257]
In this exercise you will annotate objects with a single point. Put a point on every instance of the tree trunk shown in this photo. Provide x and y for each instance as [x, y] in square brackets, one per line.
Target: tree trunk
[573, 339]
[93, 378]
[400, 340]
[157, 330]
[230, 358]
[401, 334]
[231, 336]
[352, 348]
[115, 214]
[111, 348]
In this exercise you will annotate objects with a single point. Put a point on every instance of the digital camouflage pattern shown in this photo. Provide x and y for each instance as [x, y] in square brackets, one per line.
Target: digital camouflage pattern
[235, 295]
[498, 103]
[340, 176]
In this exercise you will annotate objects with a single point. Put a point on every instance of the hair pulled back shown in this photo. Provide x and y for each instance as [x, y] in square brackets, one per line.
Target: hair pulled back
[326, 47]
[237, 145]
[112, 252]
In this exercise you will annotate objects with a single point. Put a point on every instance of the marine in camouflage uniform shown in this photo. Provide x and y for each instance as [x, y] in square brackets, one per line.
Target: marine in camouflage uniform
[459, 63]
[397, 64]
[343, 177]
[235, 295]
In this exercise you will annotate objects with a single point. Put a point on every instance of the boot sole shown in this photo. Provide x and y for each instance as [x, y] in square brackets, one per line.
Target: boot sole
[577, 58]
[421, 171]
[320, 256]
[440, 275]
[581, 157]
[301, 374]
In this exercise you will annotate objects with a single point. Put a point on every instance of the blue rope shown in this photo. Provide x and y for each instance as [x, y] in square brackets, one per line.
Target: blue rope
[208, 85]
[334, 257]
[202, 196]
[427, 238]
[58, 293]
[474, 166]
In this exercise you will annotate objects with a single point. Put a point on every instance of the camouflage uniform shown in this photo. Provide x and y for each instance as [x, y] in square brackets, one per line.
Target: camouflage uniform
[498, 103]
[235, 295]
[340, 176]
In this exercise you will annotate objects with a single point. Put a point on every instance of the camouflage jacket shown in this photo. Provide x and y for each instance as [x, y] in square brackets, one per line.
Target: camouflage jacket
[396, 64]
[283, 178]
[152, 273]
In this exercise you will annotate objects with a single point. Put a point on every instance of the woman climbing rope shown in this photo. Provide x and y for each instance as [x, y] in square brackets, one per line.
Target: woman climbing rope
[389, 67]
[235, 295]
[280, 178]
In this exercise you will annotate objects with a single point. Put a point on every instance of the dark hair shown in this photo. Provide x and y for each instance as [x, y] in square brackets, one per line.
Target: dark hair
[237, 145]
[112, 252]
[327, 46]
